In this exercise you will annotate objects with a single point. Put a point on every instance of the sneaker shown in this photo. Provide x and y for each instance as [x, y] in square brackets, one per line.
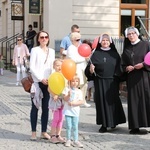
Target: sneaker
[54, 140]
[77, 144]
[68, 143]
[87, 105]
[61, 139]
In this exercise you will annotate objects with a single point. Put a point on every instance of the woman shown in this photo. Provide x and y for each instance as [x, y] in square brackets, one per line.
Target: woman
[41, 65]
[72, 53]
[105, 70]
[138, 80]
[20, 52]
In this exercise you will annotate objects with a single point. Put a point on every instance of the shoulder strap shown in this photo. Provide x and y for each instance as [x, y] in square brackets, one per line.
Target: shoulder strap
[46, 56]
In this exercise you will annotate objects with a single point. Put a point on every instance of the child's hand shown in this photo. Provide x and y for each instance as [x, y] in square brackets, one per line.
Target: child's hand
[69, 93]
[70, 103]
[55, 97]
[67, 97]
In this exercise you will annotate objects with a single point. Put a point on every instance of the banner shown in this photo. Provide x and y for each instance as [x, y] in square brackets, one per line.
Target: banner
[35, 7]
[16, 11]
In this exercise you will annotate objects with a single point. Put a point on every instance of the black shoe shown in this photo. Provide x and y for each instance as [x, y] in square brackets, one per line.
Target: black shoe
[113, 127]
[102, 129]
[134, 131]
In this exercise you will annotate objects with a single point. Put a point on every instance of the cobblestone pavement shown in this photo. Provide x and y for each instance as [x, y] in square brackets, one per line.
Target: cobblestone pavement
[15, 125]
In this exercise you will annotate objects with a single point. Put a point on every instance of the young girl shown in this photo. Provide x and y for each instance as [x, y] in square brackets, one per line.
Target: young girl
[73, 99]
[1, 65]
[56, 105]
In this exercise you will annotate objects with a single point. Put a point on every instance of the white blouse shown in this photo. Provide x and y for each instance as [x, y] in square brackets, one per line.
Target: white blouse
[39, 68]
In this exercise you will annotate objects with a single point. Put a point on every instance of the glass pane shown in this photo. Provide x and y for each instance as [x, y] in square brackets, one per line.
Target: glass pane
[125, 22]
[140, 13]
[134, 1]
[126, 12]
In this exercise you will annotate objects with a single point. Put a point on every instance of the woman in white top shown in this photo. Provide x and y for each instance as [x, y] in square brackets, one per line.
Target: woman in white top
[72, 53]
[20, 52]
[41, 65]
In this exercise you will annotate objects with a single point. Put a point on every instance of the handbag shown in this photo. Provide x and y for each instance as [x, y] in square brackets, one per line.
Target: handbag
[27, 83]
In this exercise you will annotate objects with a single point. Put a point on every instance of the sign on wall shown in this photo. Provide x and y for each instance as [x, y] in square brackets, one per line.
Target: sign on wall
[35, 7]
[16, 11]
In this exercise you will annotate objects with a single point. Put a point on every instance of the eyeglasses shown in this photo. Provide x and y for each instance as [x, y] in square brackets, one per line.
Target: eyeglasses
[42, 37]
[129, 34]
[19, 39]
[77, 40]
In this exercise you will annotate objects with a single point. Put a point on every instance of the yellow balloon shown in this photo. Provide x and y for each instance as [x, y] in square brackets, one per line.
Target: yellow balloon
[56, 83]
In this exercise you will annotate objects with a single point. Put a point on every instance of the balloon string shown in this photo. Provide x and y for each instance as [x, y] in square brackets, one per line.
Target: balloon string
[92, 63]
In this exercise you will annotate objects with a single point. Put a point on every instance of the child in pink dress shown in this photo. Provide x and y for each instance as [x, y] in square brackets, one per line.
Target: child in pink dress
[56, 105]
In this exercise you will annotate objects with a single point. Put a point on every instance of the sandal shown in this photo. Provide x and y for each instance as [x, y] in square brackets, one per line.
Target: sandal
[33, 136]
[61, 140]
[45, 136]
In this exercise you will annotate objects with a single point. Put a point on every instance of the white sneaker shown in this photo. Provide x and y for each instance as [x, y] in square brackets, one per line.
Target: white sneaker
[68, 143]
[77, 144]
[87, 105]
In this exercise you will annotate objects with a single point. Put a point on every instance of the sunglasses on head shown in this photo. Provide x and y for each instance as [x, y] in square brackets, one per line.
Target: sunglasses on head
[19, 39]
[43, 37]
[77, 39]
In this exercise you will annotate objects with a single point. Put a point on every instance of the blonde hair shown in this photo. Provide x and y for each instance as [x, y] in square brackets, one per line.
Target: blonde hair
[75, 36]
[75, 77]
[56, 60]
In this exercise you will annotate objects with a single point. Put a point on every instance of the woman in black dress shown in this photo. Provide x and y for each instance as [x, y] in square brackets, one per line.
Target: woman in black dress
[138, 80]
[104, 69]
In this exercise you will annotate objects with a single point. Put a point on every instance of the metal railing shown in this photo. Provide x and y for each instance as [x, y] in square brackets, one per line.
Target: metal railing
[5, 48]
[3, 38]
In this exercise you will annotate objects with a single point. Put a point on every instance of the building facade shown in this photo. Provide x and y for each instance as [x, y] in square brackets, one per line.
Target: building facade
[57, 16]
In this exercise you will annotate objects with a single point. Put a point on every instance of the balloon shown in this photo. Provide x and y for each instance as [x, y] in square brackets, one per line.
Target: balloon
[68, 68]
[147, 59]
[95, 42]
[56, 83]
[84, 50]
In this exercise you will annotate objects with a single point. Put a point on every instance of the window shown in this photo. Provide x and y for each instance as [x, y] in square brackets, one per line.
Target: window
[134, 1]
[131, 10]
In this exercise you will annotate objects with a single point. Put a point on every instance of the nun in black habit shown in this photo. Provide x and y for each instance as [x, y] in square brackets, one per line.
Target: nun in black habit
[138, 80]
[104, 69]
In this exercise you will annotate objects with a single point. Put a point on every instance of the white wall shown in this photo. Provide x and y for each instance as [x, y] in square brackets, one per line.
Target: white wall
[96, 17]
[57, 18]
[93, 17]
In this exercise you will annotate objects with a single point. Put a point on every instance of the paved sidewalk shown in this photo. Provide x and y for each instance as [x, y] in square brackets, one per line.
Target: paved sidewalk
[15, 125]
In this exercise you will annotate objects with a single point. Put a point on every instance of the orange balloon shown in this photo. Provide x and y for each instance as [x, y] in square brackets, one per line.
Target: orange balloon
[68, 68]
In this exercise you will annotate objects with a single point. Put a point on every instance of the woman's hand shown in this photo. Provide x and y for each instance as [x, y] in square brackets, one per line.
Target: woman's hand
[45, 81]
[129, 68]
[139, 66]
[92, 68]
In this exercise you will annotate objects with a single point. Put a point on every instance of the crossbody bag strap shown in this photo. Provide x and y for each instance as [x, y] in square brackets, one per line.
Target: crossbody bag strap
[46, 56]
